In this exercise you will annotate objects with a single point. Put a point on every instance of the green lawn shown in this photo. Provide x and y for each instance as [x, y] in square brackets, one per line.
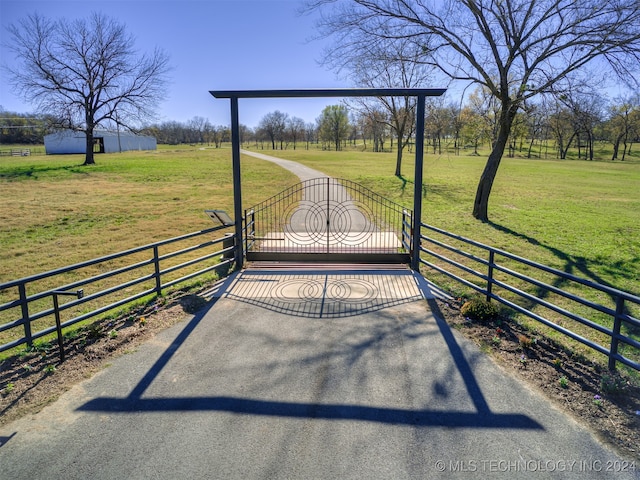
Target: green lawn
[577, 216]
[55, 212]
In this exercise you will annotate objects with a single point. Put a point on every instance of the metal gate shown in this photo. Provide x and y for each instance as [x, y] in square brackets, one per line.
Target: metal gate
[328, 219]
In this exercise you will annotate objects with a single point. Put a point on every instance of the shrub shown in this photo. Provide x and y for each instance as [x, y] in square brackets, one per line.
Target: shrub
[612, 383]
[478, 309]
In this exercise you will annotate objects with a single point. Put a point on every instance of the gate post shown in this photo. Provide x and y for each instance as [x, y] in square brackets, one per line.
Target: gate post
[237, 184]
[417, 193]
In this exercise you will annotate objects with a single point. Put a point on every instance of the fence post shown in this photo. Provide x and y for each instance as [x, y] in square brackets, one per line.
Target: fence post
[237, 182]
[253, 225]
[328, 229]
[24, 305]
[617, 323]
[156, 264]
[417, 192]
[249, 229]
[56, 310]
[228, 241]
[403, 229]
[490, 275]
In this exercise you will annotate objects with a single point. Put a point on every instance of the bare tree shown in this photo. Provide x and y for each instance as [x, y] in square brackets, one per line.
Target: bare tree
[379, 65]
[585, 112]
[535, 119]
[86, 71]
[438, 123]
[295, 129]
[455, 111]
[588, 115]
[374, 126]
[218, 135]
[246, 134]
[196, 128]
[273, 125]
[310, 133]
[624, 118]
[516, 49]
[561, 127]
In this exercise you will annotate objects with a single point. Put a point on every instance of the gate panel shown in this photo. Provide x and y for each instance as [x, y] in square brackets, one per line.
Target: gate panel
[327, 219]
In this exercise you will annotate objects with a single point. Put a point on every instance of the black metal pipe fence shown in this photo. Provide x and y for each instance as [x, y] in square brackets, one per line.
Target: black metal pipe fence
[607, 320]
[108, 282]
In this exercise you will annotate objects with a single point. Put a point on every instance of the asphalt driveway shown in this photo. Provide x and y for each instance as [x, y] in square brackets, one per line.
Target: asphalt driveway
[306, 374]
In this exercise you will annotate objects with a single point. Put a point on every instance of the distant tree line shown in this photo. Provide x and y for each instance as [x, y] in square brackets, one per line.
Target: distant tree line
[551, 128]
[198, 130]
[24, 129]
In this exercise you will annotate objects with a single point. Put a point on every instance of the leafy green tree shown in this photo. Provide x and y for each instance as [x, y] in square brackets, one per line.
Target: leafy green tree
[334, 125]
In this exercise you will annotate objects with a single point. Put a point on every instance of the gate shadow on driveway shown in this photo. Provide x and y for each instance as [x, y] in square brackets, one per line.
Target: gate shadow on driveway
[482, 417]
[332, 293]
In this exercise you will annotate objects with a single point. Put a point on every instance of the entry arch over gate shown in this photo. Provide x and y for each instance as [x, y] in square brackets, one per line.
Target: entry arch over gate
[419, 93]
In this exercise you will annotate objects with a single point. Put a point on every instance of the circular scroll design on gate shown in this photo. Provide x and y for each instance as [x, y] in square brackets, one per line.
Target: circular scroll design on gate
[331, 223]
[347, 290]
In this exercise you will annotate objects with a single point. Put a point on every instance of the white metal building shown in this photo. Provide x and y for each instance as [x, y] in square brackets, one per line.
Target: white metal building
[69, 141]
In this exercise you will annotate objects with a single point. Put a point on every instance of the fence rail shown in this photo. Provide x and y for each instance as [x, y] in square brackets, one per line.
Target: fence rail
[607, 322]
[16, 152]
[123, 277]
[500, 280]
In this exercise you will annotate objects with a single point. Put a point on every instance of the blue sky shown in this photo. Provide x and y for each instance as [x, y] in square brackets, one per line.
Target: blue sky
[213, 45]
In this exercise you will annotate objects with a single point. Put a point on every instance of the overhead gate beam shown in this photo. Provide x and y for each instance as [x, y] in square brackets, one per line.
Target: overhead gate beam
[419, 93]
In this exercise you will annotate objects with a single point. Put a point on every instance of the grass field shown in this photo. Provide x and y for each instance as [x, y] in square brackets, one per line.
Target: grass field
[581, 217]
[577, 216]
[55, 212]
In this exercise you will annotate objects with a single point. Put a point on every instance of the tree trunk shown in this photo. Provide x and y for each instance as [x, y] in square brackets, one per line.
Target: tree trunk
[399, 158]
[530, 147]
[481, 202]
[88, 159]
[616, 147]
[563, 154]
